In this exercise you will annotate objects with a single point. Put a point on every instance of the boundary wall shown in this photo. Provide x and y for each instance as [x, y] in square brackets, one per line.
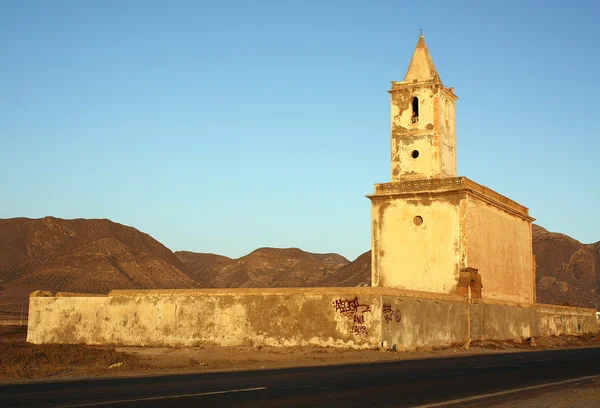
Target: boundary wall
[326, 317]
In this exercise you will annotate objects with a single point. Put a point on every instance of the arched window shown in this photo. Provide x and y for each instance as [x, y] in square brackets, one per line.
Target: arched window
[415, 109]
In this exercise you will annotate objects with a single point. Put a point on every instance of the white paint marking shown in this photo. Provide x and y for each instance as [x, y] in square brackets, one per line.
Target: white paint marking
[497, 394]
[200, 394]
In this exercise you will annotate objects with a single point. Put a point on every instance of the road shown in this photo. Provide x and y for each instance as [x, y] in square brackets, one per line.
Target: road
[400, 384]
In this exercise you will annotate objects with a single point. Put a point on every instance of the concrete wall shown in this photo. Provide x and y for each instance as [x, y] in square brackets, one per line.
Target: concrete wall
[505, 321]
[408, 256]
[346, 317]
[291, 317]
[499, 245]
[491, 321]
[409, 323]
[555, 320]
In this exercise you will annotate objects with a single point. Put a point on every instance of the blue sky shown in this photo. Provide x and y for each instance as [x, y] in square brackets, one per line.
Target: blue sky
[229, 125]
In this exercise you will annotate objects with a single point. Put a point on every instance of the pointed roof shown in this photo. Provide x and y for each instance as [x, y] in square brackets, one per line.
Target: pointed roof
[421, 66]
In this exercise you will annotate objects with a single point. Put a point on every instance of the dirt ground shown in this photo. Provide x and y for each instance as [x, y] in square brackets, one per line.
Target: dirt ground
[20, 361]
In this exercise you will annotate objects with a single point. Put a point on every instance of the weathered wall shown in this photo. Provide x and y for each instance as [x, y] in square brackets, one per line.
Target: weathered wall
[464, 225]
[432, 135]
[346, 317]
[505, 321]
[491, 321]
[555, 320]
[222, 317]
[409, 323]
[421, 257]
[499, 245]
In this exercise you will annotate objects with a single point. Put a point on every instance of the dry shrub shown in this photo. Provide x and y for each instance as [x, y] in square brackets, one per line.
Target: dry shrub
[20, 360]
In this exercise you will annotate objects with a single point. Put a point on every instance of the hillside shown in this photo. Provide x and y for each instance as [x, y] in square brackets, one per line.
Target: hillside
[356, 273]
[568, 272]
[264, 267]
[82, 255]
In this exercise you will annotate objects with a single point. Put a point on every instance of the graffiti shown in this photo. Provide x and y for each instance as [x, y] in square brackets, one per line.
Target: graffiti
[350, 307]
[391, 315]
[354, 312]
[232, 318]
[359, 330]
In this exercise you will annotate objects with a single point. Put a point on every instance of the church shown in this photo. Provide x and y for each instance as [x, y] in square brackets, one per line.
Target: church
[452, 263]
[433, 231]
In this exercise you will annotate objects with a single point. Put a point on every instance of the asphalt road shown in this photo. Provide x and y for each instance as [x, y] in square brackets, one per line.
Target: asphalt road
[399, 384]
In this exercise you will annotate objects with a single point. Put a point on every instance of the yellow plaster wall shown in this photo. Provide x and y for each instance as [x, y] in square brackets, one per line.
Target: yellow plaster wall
[447, 119]
[409, 323]
[408, 136]
[448, 157]
[402, 110]
[407, 256]
[409, 166]
[327, 317]
[219, 317]
[499, 245]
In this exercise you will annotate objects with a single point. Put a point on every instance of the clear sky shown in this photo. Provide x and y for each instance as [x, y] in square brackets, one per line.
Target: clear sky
[223, 126]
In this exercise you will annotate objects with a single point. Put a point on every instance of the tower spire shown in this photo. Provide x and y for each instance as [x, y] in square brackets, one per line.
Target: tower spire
[421, 66]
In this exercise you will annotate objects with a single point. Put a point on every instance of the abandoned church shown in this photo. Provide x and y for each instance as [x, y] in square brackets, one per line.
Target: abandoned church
[452, 262]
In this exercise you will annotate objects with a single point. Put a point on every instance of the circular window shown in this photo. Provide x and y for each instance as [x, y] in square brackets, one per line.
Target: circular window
[418, 220]
[415, 154]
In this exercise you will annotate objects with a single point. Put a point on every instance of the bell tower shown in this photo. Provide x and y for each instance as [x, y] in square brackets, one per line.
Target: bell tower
[422, 122]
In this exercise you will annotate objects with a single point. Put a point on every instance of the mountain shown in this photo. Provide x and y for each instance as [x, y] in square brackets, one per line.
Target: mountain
[264, 267]
[202, 267]
[568, 272]
[356, 273]
[82, 255]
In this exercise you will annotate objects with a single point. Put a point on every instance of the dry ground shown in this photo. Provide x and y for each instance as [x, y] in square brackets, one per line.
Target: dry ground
[21, 361]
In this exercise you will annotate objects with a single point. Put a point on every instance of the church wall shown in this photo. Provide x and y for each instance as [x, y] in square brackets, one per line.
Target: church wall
[499, 245]
[447, 140]
[401, 111]
[405, 164]
[448, 152]
[416, 257]
[422, 136]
